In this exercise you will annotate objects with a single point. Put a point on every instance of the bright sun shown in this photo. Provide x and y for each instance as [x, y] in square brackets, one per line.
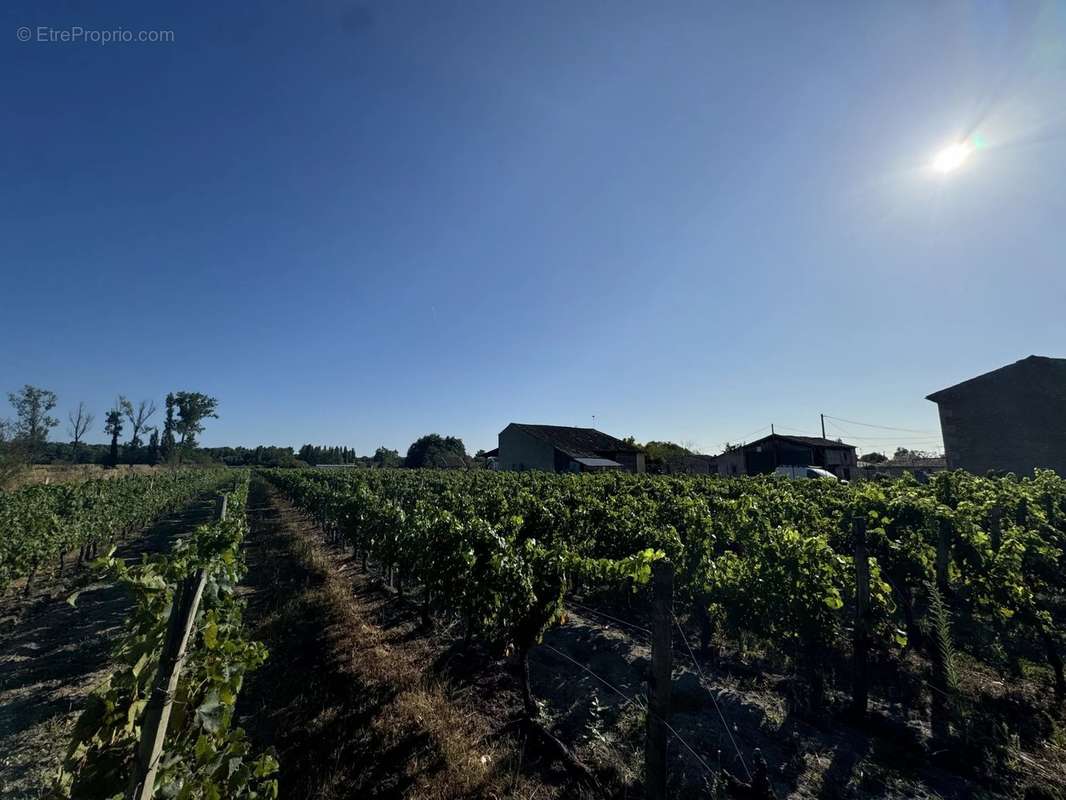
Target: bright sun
[952, 157]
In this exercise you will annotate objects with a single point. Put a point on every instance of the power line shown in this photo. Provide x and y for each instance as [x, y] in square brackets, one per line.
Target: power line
[747, 436]
[890, 438]
[844, 432]
[882, 427]
[797, 430]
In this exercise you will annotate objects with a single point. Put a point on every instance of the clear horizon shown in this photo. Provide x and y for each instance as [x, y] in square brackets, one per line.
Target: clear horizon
[358, 224]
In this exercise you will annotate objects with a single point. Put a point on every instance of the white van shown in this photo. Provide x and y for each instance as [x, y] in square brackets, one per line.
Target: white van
[802, 473]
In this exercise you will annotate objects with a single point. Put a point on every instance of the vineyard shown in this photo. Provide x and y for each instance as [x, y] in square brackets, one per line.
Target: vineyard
[926, 617]
[43, 524]
[199, 751]
[906, 603]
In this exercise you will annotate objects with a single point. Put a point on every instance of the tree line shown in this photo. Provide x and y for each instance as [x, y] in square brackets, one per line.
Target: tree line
[314, 454]
[135, 437]
[25, 439]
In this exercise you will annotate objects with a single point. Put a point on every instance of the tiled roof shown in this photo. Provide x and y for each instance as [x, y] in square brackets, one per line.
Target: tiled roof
[576, 442]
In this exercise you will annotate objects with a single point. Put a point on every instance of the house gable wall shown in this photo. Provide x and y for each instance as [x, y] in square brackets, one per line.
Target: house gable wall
[520, 450]
[1014, 420]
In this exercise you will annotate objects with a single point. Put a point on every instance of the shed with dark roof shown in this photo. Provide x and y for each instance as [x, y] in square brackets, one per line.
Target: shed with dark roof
[764, 455]
[558, 448]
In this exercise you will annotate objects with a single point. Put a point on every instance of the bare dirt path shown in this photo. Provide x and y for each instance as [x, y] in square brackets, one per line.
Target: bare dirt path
[52, 655]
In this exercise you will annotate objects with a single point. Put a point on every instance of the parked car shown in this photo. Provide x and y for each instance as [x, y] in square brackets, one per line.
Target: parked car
[804, 473]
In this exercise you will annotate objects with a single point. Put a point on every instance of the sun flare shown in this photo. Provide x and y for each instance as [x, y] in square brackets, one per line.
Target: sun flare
[952, 157]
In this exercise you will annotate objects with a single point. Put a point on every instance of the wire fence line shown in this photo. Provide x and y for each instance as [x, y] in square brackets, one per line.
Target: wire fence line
[638, 701]
[714, 699]
[699, 670]
[601, 679]
[616, 620]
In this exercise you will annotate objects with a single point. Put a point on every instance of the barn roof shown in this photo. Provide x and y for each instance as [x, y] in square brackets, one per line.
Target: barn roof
[1021, 367]
[576, 442]
[808, 441]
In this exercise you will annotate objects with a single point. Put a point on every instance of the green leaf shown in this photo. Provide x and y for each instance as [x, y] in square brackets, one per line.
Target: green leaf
[211, 635]
[209, 713]
[204, 749]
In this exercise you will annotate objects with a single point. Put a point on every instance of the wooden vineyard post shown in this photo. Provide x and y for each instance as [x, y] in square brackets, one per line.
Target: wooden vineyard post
[659, 684]
[1021, 515]
[160, 702]
[995, 527]
[861, 688]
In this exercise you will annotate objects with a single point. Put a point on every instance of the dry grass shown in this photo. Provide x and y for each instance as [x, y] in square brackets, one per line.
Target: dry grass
[66, 473]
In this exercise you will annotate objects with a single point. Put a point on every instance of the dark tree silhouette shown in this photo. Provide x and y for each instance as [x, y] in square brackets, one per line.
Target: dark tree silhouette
[113, 427]
[79, 422]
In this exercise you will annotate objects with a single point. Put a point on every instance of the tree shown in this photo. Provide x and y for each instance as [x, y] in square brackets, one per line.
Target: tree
[166, 447]
[32, 405]
[138, 418]
[383, 457]
[193, 408]
[665, 457]
[307, 453]
[113, 427]
[78, 424]
[903, 454]
[314, 454]
[434, 450]
[153, 447]
[874, 458]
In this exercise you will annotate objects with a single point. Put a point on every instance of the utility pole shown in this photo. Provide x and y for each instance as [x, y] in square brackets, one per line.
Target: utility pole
[823, 424]
[771, 429]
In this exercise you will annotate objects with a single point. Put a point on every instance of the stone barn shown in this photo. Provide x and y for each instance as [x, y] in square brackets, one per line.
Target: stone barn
[1011, 419]
[555, 448]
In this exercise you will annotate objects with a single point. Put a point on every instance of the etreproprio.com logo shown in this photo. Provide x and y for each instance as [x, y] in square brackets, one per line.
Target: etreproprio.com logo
[76, 34]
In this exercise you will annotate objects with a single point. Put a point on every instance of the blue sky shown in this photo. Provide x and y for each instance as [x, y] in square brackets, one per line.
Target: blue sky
[358, 223]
